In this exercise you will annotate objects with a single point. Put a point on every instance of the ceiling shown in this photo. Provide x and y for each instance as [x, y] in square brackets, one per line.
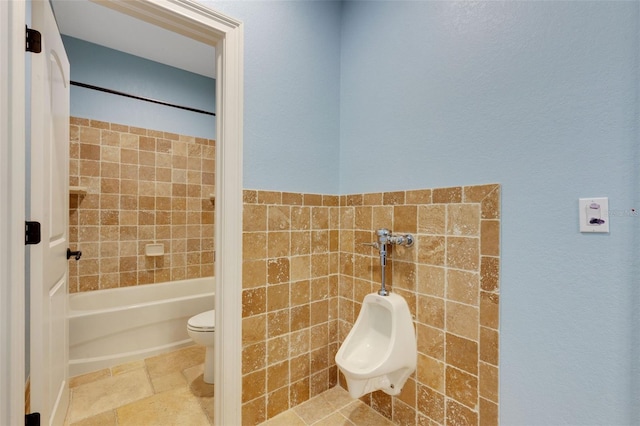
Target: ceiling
[97, 24]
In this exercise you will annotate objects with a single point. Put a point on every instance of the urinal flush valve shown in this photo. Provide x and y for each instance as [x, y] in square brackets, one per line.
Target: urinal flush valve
[387, 237]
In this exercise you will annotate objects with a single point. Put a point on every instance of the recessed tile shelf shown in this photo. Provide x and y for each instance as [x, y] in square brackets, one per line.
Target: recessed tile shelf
[78, 190]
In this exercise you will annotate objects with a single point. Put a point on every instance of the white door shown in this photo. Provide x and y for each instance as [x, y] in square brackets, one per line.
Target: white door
[49, 206]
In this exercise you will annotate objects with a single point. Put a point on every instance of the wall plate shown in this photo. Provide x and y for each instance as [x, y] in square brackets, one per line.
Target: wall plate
[594, 214]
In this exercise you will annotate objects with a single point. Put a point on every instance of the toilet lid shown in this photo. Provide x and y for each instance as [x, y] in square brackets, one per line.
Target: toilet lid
[204, 321]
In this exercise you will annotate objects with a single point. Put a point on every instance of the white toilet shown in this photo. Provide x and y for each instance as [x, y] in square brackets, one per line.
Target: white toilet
[201, 328]
[380, 351]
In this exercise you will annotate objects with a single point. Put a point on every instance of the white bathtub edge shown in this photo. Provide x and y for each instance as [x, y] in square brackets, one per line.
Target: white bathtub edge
[78, 367]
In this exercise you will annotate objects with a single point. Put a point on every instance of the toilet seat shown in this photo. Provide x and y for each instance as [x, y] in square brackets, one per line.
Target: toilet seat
[203, 322]
[201, 329]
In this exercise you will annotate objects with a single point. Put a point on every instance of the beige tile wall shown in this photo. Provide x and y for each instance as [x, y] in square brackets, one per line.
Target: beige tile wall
[143, 186]
[306, 272]
[290, 282]
[450, 281]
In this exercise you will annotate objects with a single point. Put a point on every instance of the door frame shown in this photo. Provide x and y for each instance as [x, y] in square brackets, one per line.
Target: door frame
[194, 20]
[12, 210]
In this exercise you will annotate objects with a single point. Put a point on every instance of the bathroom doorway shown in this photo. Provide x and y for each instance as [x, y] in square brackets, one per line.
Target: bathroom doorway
[198, 22]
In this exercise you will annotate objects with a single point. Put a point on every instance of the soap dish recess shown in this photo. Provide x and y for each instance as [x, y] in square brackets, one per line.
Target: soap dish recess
[154, 249]
[78, 190]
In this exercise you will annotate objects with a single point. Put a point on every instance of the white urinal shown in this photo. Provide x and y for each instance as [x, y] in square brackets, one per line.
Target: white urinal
[380, 351]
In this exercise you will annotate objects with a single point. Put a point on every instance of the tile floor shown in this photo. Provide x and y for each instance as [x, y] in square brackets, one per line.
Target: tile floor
[331, 408]
[168, 390]
[162, 390]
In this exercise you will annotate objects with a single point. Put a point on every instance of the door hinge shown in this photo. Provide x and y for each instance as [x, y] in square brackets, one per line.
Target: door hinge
[34, 41]
[32, 233]
[32, 419]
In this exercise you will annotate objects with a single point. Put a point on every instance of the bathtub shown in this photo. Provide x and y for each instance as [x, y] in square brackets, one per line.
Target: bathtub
[114, 326]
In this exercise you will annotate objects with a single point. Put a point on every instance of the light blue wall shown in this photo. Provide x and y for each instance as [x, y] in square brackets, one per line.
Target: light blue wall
[538, 96]
[541, 97]
[292, 97]
[112, 69]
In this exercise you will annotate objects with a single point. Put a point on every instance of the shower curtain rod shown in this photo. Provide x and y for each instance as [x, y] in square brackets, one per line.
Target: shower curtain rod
[140, 98]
